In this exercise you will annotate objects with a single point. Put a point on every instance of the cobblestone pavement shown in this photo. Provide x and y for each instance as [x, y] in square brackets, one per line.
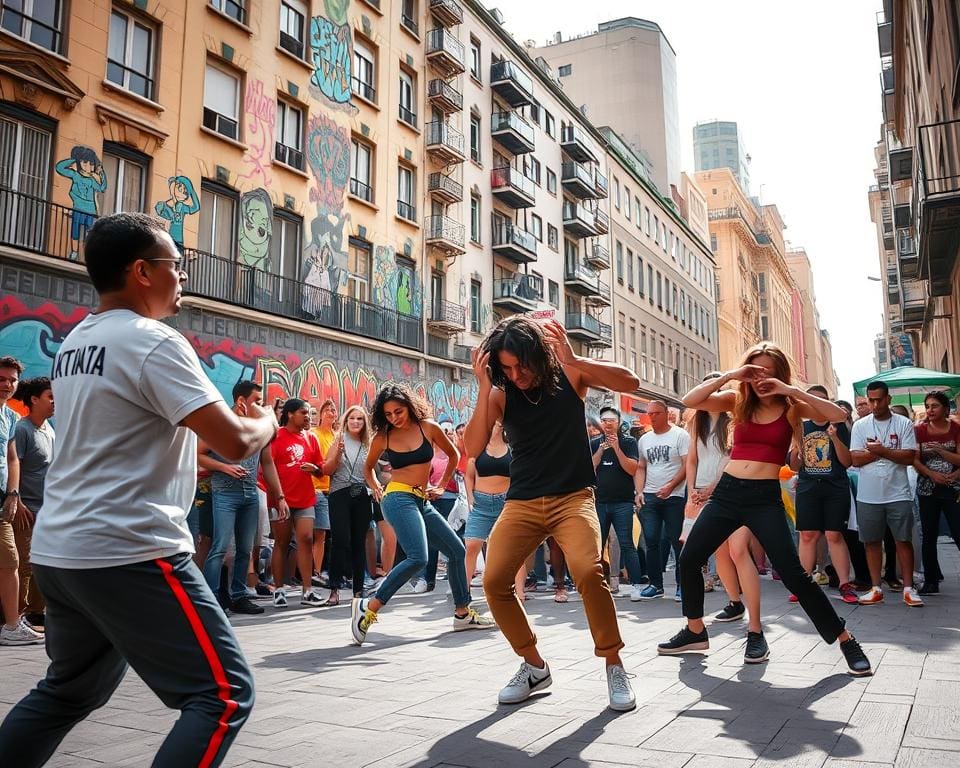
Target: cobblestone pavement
[420, 695]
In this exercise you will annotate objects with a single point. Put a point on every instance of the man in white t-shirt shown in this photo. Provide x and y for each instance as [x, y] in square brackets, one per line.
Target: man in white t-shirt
[883, 445]
[111, 551]
[661, 492]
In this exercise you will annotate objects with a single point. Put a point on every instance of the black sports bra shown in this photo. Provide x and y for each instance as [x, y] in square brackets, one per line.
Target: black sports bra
[493, 466]
[401, 459]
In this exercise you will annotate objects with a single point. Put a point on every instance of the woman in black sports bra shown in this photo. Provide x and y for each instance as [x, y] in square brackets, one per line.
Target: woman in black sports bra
[406, 437]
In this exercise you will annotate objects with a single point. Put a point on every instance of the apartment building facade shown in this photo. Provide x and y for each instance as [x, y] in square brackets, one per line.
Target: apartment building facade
[817, 347]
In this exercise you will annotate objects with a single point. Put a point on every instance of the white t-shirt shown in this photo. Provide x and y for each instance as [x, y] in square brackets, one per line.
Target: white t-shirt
[124, 474]
[883, 481]
[664, 454]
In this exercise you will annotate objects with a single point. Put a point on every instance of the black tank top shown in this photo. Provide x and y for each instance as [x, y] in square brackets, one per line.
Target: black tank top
[551, 452]
[401, 459]
[493, 466]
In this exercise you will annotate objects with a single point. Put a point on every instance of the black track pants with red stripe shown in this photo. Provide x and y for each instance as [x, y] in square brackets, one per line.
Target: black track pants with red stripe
[161, 619]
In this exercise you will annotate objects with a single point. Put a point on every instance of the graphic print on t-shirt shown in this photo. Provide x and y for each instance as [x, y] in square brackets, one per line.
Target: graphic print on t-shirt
[816, 453]
[657, 454]
[295, 454]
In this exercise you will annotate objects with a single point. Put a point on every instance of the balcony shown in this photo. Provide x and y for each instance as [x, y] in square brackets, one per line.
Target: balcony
[511, 83]
[446, 12]
[597, 256]
[938, 190]
[512, 132]
[893, 288]
[574, 141]
[577, 179]
[512, 188]
[602, 297]
[907, 255]
[580, 278]
[913, 302]
[440, 346]
[887, 89]
[447, 317]
[884, 35]
[582, 327]
[520, 293]
[444, 96]
[406, 211]
[445, 234]
[444, 188]
[599, 185]
[606, 337]
[514, 243]
[363, 89]
[601, 221]
[444, 143]
[901, 164]
[578, 220]
[444, 52]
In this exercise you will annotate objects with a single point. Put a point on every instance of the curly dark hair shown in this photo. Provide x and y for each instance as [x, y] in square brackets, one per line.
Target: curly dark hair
[292, 405]
[416, 405]
[523, 337]
[31, 388]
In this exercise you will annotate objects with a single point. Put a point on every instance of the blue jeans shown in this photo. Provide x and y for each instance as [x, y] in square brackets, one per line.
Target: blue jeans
[416, 523]
[661, 518]
[236, 513]
[620, 515]
[443, 505]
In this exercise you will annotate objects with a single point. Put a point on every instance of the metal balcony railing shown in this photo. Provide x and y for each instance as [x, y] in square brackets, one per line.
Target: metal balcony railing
[507, 233]
[582, 321]
[441, 91]
[503, 121]
[525, 287]
[439, 227]
[448, 12]
[444, 135]
[447, 313]
[440, 40]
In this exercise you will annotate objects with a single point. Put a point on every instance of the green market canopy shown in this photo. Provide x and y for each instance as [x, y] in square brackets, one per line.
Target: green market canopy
[909, 385]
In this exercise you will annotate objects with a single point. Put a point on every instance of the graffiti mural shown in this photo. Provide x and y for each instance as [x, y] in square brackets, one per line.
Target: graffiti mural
[183, 202]
[330, 46]
[260, 112]
[395, 286]
[87, 179]
[328, 154]
[256, 229]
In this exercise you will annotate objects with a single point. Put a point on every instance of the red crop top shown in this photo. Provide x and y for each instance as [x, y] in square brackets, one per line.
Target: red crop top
[762, 442]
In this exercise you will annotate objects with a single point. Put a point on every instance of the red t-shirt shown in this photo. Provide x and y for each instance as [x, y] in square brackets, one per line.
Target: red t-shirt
[290, 450]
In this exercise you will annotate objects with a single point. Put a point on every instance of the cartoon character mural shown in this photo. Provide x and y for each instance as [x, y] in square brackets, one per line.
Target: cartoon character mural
[87, 179]
[183, 202]
[395, 285]
[331, 55]
[256, 229]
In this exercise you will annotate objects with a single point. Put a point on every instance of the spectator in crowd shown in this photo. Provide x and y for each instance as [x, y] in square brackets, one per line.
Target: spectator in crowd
[324, 424]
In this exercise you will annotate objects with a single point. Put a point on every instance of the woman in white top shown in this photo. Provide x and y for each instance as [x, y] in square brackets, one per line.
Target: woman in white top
[708, 455]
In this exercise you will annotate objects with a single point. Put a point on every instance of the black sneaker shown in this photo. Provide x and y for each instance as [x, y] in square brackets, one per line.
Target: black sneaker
[246, 605]
[858, 664]
[683, 642]
[731, 612]
[757, 649]
[928, 588]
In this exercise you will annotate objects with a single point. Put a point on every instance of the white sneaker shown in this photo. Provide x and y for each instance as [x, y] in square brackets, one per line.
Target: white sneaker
[622, 698]
[526, 682]
[472, 620]
[311, 598]
[419, 586]
[477, 581]
[279, 598]
[635, 591]
[911, 598]
[19, 635]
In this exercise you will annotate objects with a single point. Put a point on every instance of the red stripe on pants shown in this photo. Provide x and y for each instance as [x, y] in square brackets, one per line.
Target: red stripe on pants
[216, 667]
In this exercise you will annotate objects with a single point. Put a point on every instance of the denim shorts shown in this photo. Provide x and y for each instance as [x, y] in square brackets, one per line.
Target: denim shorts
[321, 512]
[486, 510]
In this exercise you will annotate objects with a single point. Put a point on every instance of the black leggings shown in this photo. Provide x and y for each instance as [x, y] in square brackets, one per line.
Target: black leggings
[756, 504]
[350, 518]
[930, 509]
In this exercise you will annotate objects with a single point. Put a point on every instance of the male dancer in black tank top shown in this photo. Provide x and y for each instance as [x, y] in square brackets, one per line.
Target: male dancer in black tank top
[530, 379]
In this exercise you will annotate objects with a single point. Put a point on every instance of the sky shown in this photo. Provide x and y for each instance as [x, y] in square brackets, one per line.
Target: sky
[802, 80]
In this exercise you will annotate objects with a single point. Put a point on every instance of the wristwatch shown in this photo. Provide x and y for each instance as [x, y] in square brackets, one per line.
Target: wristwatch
[15, 493]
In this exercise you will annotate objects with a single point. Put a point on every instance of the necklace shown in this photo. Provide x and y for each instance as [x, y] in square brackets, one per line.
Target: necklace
[529, 400]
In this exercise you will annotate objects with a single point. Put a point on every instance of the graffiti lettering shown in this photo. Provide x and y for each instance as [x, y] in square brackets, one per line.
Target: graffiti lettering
[261, 116]
[330, 44]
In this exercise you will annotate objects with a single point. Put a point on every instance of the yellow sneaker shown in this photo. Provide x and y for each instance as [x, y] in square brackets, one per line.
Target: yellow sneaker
[361, 619]
[472, 620]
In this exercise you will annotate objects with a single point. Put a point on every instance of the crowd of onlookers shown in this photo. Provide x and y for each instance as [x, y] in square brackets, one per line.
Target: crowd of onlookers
[298, 517]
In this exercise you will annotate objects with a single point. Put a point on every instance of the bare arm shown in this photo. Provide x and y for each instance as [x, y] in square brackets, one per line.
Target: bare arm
[862, 458]
[584, 372]
[377, 447]
[843, 452]
[470, 479]
[627, 464]
[272, 480]
[598, 454]
[640, 480]
[817, 408]
[332, 460]
[707, 396]
[11, 503]
[440, 439]
[692, 458]
[490, 403]
[233, 437]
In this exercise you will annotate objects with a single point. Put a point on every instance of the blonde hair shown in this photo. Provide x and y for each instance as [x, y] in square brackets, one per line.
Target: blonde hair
[365, 432]
[748, 402]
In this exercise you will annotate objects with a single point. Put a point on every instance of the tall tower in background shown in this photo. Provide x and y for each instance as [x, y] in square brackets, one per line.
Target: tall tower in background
[719, 144]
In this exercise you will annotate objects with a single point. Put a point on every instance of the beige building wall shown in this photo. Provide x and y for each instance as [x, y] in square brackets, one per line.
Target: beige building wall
[818, 351]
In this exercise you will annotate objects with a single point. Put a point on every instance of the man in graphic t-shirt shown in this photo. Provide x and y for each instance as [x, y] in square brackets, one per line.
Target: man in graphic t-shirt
[661, 487]
[111, 546]
[883, 445]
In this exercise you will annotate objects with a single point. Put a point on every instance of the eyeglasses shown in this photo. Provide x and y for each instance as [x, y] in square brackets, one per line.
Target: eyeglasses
[177, 263]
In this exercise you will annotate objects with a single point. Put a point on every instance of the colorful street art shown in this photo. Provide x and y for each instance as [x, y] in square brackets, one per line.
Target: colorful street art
[260, 113]
[330, 46]
[328, 154]
[256, 229]
[87, 179]
[183, 202]
[395, 286]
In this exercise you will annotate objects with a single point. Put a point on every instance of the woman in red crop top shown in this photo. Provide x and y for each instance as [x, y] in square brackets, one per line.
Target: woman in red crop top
[767, 411]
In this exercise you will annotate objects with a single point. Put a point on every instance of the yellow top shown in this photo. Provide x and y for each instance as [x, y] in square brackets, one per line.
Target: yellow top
[326, 438]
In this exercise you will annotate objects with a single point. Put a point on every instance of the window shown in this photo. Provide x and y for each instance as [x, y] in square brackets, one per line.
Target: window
[25, 170]
[535, 112]
[553, 238]
[554, 289]
[475, 138]
[532, 169]
[406, 186]
[646, 220]
[626, 203]
[408, 16]
[636, 208]
[674, 304]
[616, 192]
[407, 100]
[358, 269]
[293, 25]
[221, 101]
[640, 276]
[650, 281]
[285, 245]
[475, 218]
[551, 182]
[218, 220]
[550, 125]
[538, 285]
[475, 58]
[536, 227]
[126, 177]
[476, 299]
[629, 269]
[233, 8]
[361, 167]
[656, 230]
[289, 145]
[364, 71]
[130, 54]
[565, 70]
[713, 242]
[643, 353]
[622, 338]
[666, 290]
[683, 308]
[663, 237]
[659, 291]
[663, 363]
[38, 21]
[619, 260]
[633, 344]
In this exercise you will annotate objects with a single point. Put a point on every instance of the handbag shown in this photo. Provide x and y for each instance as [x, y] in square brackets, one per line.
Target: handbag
[356, 489]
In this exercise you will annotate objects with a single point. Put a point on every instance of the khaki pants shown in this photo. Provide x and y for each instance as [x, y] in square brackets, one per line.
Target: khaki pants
[523, 525]
[31, 601]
